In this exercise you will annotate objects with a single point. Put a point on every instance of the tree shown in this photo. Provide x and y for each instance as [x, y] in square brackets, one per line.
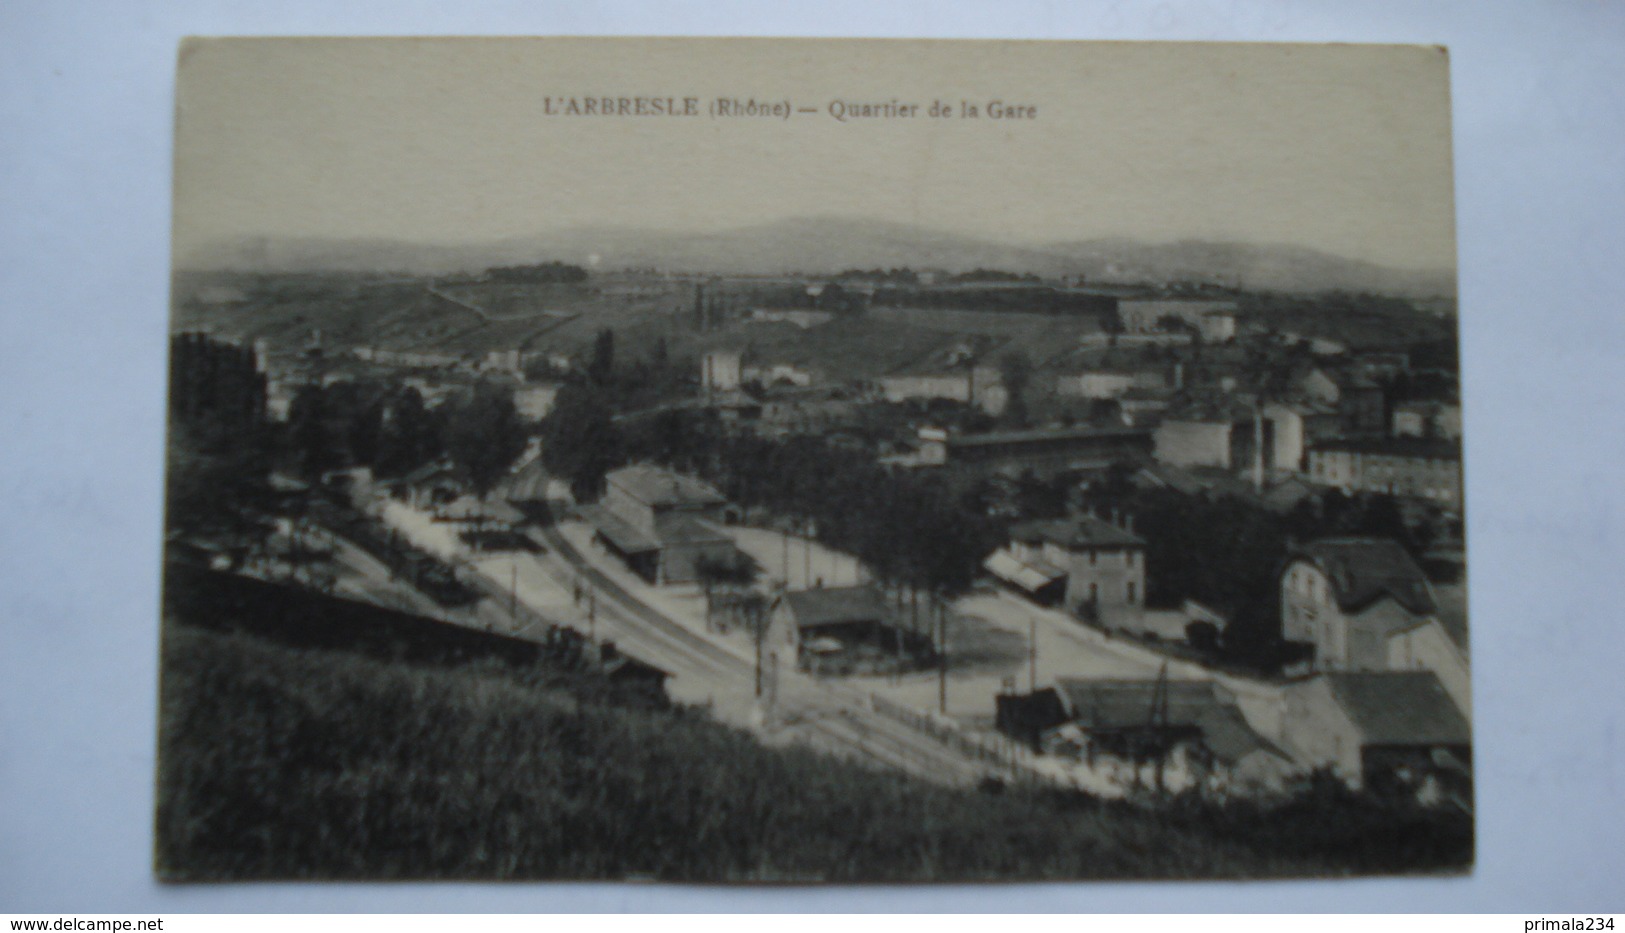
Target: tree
[311, 436]
[486, 435]
[579, 440]
[602, 366]
[1016, 369]
[408, 436]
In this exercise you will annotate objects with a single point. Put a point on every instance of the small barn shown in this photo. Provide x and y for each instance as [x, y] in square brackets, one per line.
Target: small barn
[835, 626]
[1380, 729]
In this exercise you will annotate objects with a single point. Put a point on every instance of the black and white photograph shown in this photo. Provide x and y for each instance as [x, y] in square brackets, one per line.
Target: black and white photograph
[812, 461]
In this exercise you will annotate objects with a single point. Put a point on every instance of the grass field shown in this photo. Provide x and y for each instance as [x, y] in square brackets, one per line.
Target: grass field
[297, 763]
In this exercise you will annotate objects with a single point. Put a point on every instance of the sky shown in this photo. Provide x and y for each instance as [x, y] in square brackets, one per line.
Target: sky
[1345, 149]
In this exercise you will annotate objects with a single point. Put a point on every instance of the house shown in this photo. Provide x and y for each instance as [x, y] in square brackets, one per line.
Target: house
[620, 667]
[662, 524]
[1194, 441]
[1195, 726]
[1295, 427]
[769, 375]
[1381, 730]
[1087, 564]
[981, 386]
[533, 402]
[1431, 645]
[1207, 317]
[1347, 597]
[1218, 325]
[1108, 383]
[824, 625]
[1427, 419]
[1363, 406]
[793, 409]
[432, 485]
[1419, 468]
[1214, 430]
[720, 370]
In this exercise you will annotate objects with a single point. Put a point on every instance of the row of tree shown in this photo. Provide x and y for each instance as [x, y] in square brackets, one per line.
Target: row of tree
[910, 529]
[392, 430]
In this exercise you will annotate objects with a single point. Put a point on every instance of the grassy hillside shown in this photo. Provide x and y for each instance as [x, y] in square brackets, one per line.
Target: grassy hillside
[279, 762]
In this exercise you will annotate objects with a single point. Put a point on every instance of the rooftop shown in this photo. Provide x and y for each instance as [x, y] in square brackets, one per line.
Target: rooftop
[1400, 708]
[1363, 570]
[1126, 704]
[834, 605]
[1042, 435]
[661, 488]
[1082, 532]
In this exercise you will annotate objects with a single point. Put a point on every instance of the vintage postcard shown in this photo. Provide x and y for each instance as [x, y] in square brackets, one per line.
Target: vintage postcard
[722, 460]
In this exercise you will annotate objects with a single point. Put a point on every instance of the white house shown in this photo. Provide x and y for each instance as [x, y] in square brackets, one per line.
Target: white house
[1347, 596]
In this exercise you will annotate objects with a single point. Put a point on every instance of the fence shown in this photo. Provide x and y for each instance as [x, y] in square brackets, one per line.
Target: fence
[1001, 756]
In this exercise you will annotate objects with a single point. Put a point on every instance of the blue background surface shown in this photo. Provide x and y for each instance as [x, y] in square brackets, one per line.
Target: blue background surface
[85, 119]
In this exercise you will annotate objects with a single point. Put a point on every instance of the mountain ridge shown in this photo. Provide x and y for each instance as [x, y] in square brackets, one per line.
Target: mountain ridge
[822, 245]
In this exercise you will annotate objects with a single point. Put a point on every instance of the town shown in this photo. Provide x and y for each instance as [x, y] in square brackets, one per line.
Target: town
[1127, 538]
[1138, 540]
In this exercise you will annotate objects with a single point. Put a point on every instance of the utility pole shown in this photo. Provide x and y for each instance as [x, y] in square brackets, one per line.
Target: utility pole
[806, 558]
[942, 660]
[592, 619]
[513, 589]
[1032, 654]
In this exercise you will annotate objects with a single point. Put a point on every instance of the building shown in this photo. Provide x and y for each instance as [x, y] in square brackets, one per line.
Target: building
[1363, 406]
[1427, 419]
[1295, 427]
[1347, 597]
[1433, 645]
[1087, 564]
[533, 402]
[1214, 320]
[981, 386]
[720, 370]
[1194, 441]
[1418, 468]
[662, 524]
[1109, 383]
[826, 626]
[1042, 451]
[790, 410]
[1218, 326]
[770, 375]
[1195, 727]
[1388, 730]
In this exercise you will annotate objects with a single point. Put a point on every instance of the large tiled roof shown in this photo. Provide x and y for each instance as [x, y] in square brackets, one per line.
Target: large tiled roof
[1127, 704]
[659, 487]
[1400, 708]
[832, 605]
[626, 538]
[1084, 531]
[1363, 570]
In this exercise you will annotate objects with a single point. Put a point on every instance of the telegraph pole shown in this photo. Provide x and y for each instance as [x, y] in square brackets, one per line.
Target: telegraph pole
[513, 589]
[592, 619]
[942, 660]
[1032, 654]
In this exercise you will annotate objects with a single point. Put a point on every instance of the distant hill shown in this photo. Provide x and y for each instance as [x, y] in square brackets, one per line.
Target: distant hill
[819, 245]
